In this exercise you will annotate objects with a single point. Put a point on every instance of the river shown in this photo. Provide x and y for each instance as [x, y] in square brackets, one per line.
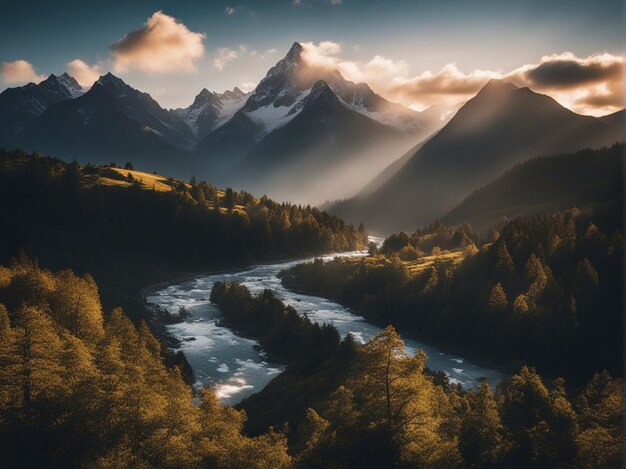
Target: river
[237, 367]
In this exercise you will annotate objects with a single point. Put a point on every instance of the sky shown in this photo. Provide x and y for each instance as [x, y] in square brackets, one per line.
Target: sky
[415, 52]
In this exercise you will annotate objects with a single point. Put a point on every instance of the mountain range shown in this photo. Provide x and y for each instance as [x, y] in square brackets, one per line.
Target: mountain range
[501, 126]
[306, 134]
[298, 113]
[19, 107]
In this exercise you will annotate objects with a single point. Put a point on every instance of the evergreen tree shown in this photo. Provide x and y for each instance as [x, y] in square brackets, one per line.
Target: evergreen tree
[482, 441]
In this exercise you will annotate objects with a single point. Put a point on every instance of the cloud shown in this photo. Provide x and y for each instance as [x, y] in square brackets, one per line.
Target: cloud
[162, 45]
[19, 72]
[224, 55]
[247, 86]
[335, 2]
[322, 55]
[232, 11]
[84, 73]
[448, 85]
[588, 85]
[269, 53]
[568, 71]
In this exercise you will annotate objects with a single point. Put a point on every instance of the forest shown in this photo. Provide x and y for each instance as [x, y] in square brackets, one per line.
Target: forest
[80, 388]
[85, 383]
[373, 405]
[130, 229]
[539, 290]
[85, 389]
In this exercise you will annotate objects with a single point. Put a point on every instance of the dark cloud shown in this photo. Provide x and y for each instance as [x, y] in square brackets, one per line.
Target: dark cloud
[573, 73]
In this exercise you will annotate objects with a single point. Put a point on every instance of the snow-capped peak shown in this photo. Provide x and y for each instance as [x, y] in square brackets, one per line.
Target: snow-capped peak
[71, 85]
[209, 110]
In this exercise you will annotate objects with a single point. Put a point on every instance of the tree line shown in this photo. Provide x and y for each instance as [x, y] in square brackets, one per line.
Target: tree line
[78, 389]
[130, 235]
[382, 407]
[541, 289]
[81, 389]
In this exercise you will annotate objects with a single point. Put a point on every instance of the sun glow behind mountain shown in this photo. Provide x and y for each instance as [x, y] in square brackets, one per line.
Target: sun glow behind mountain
[417, 55]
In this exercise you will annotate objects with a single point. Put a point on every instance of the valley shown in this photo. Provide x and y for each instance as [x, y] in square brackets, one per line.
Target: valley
[312, 234]
[238, 369]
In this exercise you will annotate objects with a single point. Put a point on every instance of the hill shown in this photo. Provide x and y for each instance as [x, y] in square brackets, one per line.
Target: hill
[543, 185]
[130, 228]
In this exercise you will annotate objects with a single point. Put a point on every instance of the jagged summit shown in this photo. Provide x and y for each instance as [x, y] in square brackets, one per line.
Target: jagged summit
[210, 109]
[294, 52]
[204, 98]
[235, 93]
[70, 83]
[111, 81]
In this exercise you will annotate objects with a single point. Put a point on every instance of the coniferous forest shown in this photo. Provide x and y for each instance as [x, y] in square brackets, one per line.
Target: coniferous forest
[312, 234]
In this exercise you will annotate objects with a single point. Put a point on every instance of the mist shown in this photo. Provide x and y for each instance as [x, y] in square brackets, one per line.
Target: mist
[327, 173]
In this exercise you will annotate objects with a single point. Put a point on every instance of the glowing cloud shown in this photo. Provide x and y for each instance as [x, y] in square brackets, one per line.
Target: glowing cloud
[322, 55]
[230, 11]
[591, 85]
[84, 73]
[19, 72]
[449, 85]
[247, 86]
[163, 45]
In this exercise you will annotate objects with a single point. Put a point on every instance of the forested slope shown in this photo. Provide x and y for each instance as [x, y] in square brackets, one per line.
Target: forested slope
[129, 229]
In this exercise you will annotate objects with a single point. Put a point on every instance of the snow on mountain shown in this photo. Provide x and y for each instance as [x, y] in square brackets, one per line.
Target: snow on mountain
[279, 96]
[72, 86]
[19, 106]
[209, 110]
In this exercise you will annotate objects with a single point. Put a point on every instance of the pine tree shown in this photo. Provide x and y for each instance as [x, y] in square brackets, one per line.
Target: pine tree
[482, 434]
[76, 305]
[497, 300]
[229, 199]
[504, 262]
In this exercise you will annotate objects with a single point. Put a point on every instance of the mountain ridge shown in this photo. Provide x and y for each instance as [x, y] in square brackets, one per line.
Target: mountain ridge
[502, 125]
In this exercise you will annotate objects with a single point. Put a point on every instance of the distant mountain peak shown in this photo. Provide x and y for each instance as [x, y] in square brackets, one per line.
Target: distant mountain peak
[498, 85]
[205, 97]
[71, 84]
[109, 78]
[295, 52]
[235, 93]
[115, 85]
[66, 82]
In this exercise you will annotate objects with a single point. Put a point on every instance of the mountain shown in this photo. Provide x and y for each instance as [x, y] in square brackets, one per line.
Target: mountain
[268, 132]
[21, 105]
[209, 110]
[543, 185]
[501, 126]
[617, 119]
[324, 145]
[111, 122]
